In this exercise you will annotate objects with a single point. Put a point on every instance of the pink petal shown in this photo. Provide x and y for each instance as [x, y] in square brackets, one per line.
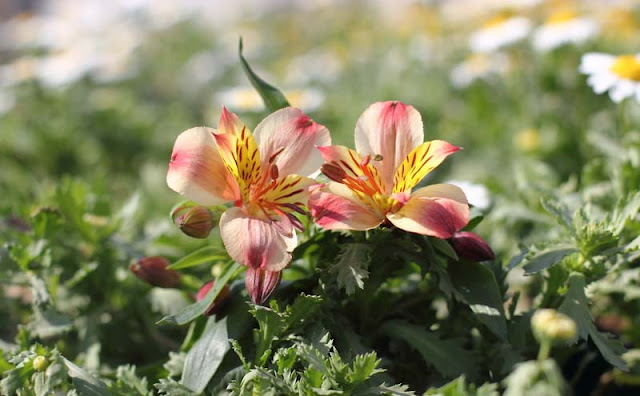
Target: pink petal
[336, 207]
[197, 171]
[294, 131]
[254, 242]
[389, 130]
[438, 210]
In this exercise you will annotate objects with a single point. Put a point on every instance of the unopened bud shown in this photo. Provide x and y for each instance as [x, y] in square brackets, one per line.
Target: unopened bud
[261, 284]
[470, 246]
[549, 324]
[217, 302]
[153, 270]
[40, 363]
[197, 222]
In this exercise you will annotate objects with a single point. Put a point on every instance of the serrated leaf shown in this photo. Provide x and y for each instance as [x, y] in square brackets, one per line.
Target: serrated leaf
[575, 305]
[170, 387]
[272, 97]
[86, 384]
[191, 312]
[129, 383]
[560, 212]
[539, 261]
[204, 358]
[49, 323]
[479, 289]
[175, 364]
[363, 367]
[435, 351]
[200, 256]
[351, 266]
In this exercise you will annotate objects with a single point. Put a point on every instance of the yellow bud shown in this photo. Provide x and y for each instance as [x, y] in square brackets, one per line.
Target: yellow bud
[551, 325]
[40, 363]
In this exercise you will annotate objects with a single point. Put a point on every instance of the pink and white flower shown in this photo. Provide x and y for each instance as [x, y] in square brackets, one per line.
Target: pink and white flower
[373, 184]
[262, 174]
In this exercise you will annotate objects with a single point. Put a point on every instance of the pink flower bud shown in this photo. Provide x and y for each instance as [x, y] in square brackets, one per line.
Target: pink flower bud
[470, 246]
[261, 283]
[217, 302]
[153, 270]
[197, 222]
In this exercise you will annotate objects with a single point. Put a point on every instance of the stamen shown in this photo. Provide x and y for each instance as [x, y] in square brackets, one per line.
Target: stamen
[365, 161]
[378, 157]
[333, 171]
[295, 208]
[274, 155]
[295, 222]
[273, 171]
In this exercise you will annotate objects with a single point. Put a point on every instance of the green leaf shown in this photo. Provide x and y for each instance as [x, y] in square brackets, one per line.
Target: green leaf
[351, 266]
[204, 358]
[128, 383]
[540, 260]
[478, 287]
[560, 212]
[272, 97]
[171, 387]
[436, 351]
[49, 323]
[191, 312]
[364, 366]
[394, 390]
[443, 247]
[85, 383]
[200, 256]
[575, 305]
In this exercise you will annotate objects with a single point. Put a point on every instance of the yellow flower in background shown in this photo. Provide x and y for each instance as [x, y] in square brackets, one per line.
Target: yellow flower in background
[528, 140]
[620, 75]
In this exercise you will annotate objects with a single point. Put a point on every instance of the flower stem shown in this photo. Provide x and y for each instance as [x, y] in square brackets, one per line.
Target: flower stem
[545, 349]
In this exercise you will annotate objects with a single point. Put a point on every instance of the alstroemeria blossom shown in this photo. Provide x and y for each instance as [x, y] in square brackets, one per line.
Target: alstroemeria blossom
[263, 174]
[373, 184]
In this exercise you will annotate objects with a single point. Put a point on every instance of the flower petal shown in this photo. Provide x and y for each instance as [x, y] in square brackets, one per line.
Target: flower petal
[439, 210]
[291, 129]
[197, 171]
[253, 242]
[238, 150]
[390, 130]
[422, 160]
[336, 207]
[291, 189]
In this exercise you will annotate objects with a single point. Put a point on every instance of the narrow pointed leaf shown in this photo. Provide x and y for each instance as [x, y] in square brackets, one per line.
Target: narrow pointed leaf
[202, 255]
[272, 97]
[191, 312]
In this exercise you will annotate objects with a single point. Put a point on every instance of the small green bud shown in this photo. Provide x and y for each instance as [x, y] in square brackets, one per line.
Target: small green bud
[40, 363]
[551, 325]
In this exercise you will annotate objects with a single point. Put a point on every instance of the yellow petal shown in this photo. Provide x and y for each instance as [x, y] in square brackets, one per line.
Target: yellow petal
[420, 161]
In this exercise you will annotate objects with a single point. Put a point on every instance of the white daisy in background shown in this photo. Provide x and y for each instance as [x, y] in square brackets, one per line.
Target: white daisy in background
[479, 66]
[562, 27]
[239, 99]
[498, 32]
[620, 75]
[477, 194]
[243, 99]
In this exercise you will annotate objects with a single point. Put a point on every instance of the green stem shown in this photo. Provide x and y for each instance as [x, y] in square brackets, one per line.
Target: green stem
[545, 349]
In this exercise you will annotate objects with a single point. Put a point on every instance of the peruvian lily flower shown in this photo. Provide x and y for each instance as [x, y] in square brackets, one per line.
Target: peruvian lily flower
[373, 185]
[262, 174]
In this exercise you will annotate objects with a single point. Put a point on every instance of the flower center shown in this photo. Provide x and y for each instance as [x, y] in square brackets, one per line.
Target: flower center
[497, 20]
[627, 66]
[561, 16]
